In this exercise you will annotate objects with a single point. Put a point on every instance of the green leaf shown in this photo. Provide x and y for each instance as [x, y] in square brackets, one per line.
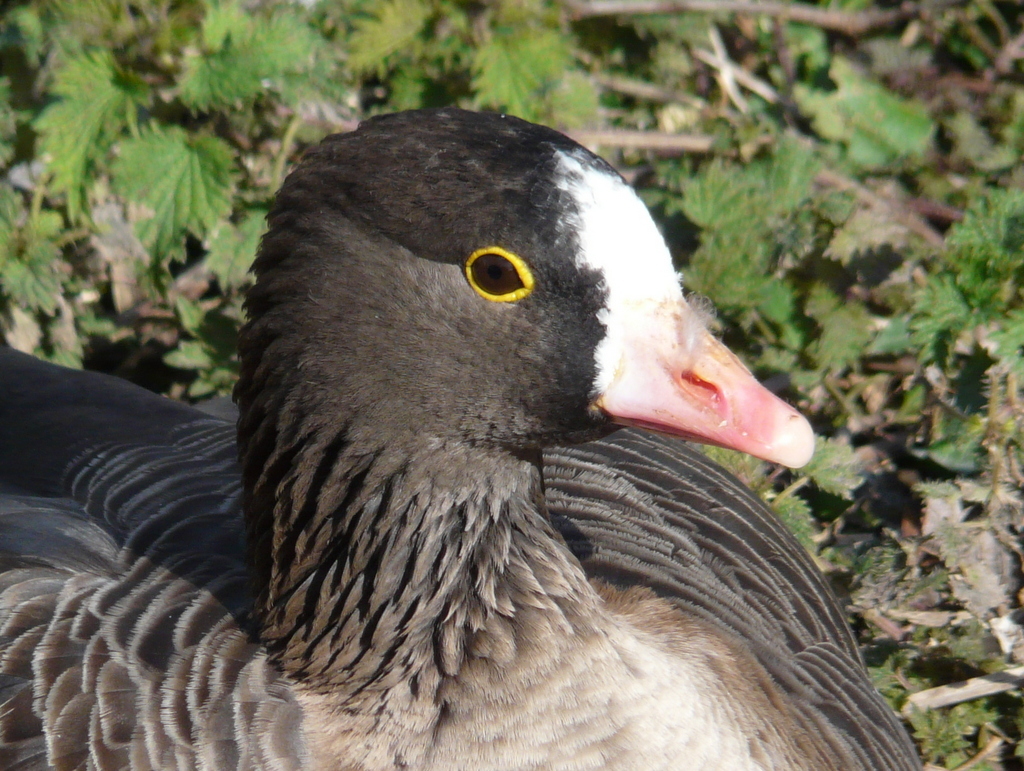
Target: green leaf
[244, 56]
[778, 303]
[394, 27]
[845, 329]
[1009, 341]
[724, 195]
[186, 181]
[940, 314]
[835, 468]
[190, 313]
[748, 469]
[913, 404]
[891, 56]
[12, 215]
[751, 218]
[233, 248]
[408, 87]
[226, 78]
[809, 44]
[937, 490]
[190, 354]
[893, 338]
[510, 71]
[222, 21]
[795, 513]
[985, 251]
[217, 380]
[957, 442]
[731, 267]
[877, 126]
[720, 197]
[212, 353]
[8, 123]
[31, 285]
[98, 101]
[29, 255]
[973, 143]
[23, 28]
[573, 102]
[942, 734]
[789, 176]
[867, 231]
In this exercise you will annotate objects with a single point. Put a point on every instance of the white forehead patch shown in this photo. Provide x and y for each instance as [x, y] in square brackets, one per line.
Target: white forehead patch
[618, 239]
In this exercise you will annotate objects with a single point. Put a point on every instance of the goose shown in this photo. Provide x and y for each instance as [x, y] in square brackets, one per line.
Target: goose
[457, 525]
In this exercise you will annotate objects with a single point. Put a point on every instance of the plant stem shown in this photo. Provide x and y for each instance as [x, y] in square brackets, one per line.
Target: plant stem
[852, 24]
[277, 173]
[38, 194]
[791, 488]
[646, 140]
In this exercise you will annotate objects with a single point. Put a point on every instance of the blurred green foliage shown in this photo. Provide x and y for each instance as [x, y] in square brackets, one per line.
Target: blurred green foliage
[856, 216]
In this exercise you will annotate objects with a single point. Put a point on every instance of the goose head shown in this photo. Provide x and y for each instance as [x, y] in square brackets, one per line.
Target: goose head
[470, 277]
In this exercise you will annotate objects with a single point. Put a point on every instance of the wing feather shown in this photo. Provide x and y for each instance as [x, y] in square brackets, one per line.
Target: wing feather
[122, 581]
[642, 509]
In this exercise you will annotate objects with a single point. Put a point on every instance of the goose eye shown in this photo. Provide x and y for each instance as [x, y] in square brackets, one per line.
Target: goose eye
[498, 275]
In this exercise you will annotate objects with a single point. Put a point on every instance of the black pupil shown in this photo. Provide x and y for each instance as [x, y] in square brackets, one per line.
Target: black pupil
[495, 274]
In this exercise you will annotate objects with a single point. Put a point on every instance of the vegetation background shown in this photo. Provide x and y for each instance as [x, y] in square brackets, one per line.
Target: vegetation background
[842, 179]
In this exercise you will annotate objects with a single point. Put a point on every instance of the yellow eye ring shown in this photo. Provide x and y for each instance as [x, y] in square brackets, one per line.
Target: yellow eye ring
[499, 275]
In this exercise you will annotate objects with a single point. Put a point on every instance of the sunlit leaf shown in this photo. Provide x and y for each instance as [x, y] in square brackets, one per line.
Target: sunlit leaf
[245, 56]
[876, 125]
[97, 101]
[186, 181]
[393, 27]
[511, 71]
[233, 249]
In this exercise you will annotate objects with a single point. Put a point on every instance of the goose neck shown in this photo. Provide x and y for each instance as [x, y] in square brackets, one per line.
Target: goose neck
[391, 566]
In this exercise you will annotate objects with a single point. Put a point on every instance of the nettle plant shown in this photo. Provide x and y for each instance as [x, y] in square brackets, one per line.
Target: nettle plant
[146, 134]
[145, 141]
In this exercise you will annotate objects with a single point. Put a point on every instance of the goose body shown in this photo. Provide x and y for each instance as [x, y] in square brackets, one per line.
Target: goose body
[425, 550]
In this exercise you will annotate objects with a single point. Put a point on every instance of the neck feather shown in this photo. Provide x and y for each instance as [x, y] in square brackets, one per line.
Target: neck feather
[379, 565]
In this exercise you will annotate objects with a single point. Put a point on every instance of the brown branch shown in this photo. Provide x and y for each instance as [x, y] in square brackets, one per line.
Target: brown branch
[898, 211]
[1010, 53]
[848, 23]
[965, 690]
[645, 140]
[987, 752]
[976, 36]
[730, 73]
[990, 749]
[935, 210]
[643, 90]
[886, 625]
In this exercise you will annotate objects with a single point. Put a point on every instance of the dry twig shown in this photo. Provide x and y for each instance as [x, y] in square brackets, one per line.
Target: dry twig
[1009, 54]
[726, 69]
[987, 752]
[935, 210]
[887, 625]
[965, 690]
[897, 211]
[645, 140]
[649, 91]
[729, 73]
[848, 23]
